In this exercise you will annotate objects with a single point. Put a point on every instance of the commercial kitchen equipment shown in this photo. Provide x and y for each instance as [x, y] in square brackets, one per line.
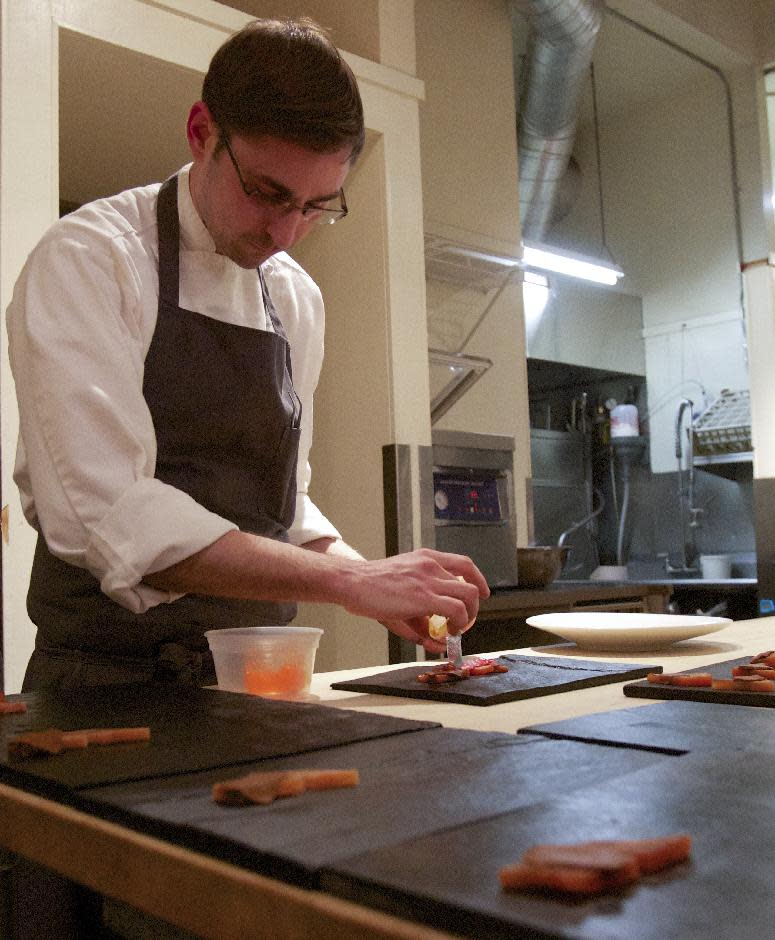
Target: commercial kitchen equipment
[466, 483]
[455, 467]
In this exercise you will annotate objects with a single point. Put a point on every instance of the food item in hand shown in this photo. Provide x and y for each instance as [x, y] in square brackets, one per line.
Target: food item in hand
[590, 868]
[265, 786]
[437, 625]
[472, 666]
[683, 679]
[54, 741]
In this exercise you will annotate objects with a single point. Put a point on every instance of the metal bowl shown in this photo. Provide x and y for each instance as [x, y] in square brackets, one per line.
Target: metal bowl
[539, 565]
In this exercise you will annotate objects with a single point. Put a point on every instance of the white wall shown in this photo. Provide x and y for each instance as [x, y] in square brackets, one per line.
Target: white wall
[760, 297]
[588, 325]
[738, 37]
[470, 195]
[670, 177]
[668, 190]
[678, 234]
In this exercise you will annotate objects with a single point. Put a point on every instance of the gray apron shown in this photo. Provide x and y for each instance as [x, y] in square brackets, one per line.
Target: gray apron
[226, 418]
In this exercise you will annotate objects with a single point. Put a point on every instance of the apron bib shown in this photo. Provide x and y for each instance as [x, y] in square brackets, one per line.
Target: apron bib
[227, 420]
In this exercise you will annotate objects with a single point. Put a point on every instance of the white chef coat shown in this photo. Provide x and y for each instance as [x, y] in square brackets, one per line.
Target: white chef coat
[80, 323]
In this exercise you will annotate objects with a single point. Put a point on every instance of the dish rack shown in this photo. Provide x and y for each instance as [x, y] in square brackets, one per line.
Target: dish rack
[725, 426]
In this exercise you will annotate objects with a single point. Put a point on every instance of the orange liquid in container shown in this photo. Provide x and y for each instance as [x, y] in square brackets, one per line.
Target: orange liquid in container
[283, 680]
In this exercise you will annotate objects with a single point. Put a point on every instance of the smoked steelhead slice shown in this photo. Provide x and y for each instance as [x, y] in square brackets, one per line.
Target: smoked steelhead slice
[650, 855]
[565, 879]
[472, 666]
[758, 675]
[54, 741]
[265, 786]
[589, 868]
[687, 680]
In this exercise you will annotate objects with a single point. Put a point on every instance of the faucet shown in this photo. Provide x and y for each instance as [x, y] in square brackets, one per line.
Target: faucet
[688, 512]
[582, 523]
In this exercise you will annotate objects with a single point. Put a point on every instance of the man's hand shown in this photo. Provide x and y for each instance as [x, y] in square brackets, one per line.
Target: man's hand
[401, 591]
[404, 590]
[416, 631]
[438, 564]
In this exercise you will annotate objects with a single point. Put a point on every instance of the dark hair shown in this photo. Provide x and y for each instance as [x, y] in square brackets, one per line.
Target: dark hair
[285, 78]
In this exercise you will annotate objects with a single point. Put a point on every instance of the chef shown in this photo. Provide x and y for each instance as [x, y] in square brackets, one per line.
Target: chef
[165, 351]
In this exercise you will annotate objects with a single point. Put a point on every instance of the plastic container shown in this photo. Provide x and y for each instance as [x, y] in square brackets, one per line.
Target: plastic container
[274, 662]
[609, 573]
[716, 567]
[624, 421]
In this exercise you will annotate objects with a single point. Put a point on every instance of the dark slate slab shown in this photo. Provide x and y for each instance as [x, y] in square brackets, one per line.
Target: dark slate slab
[528, 677]
[719, 671]
[668, 727]
[450, 879]
[411, 785]
[191, 730]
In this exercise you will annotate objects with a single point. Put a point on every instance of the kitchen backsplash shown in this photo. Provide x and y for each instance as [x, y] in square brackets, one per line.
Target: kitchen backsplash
[653, 527]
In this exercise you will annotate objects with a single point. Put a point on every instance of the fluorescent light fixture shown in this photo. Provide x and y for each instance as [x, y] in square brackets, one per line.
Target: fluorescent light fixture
[567, 262]
[534, 256]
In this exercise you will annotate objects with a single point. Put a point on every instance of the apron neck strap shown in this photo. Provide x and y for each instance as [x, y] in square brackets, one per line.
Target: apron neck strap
[169, 238]
[269, 307]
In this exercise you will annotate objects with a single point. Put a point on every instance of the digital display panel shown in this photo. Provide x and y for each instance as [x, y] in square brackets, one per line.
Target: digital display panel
[465, 499]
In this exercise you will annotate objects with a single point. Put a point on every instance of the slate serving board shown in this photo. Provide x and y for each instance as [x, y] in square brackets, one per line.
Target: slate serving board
[191, 730]
[411, 785]
[449, 879]
[528, 677]
[668, 727]
[719, 671]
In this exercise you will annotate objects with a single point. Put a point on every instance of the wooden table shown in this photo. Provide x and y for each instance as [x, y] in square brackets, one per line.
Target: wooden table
[216, 900]
[741, 638]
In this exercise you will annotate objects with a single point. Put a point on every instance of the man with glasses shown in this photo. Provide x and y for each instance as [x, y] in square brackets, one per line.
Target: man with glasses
[165, 350]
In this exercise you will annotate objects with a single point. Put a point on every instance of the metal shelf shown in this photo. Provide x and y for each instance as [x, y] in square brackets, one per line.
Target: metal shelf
[742, 457]
[737, 467]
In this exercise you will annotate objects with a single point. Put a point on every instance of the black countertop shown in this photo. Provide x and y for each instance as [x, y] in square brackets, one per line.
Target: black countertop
[729, 584]
[567, 593]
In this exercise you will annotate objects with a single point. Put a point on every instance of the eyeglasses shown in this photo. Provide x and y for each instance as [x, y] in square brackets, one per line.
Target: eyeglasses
[311, 211]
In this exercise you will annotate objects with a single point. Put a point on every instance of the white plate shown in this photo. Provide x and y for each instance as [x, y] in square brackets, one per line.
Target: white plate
[613, 631]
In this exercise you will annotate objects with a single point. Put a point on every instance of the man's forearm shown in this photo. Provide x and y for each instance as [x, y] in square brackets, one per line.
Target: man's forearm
[406, 587]
[252, 567]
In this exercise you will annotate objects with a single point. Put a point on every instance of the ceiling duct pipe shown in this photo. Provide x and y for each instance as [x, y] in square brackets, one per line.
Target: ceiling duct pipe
[560, 46]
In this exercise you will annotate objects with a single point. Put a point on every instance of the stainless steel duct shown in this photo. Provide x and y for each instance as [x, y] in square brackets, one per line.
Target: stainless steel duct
[562, 39]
